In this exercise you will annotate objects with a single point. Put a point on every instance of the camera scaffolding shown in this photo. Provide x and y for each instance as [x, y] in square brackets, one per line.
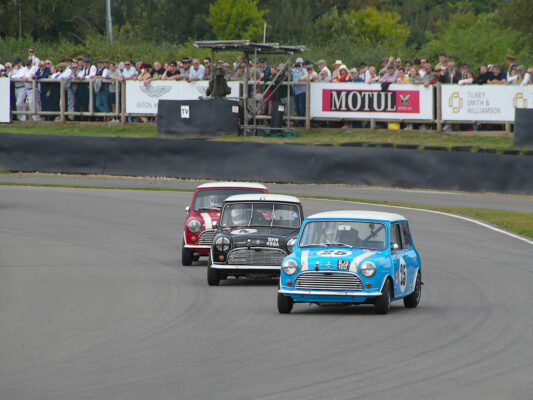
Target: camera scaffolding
[251, 108]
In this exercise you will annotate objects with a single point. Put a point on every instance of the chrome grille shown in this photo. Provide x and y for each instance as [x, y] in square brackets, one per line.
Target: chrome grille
[264, 256]
[206, 237]
[321, 280]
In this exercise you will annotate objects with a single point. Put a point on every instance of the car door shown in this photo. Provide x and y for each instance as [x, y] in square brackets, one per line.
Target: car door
[409, 254]
[400, 265]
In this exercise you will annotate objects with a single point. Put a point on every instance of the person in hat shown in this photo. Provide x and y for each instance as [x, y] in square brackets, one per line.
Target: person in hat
[391, 76]
[144, 74]
[342, 74]
[297, 74]
[218, 85]
[335, 72]
[186, 67]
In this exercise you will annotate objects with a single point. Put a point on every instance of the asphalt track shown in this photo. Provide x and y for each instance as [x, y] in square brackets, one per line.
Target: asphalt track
[94, 304]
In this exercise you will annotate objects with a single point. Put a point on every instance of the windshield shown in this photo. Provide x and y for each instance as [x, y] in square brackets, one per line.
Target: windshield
[344, 234]
[261, 214]
[212, 199]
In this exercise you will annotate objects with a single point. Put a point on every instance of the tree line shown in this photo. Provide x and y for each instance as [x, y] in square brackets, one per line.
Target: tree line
[355, 30]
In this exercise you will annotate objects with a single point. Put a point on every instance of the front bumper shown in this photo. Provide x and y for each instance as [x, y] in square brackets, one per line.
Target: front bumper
[333, 296]
[246, 267]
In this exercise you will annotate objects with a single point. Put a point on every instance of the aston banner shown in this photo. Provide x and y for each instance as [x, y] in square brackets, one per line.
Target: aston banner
[142, 99]
[5, 100]
[485, 103]
[369, 101]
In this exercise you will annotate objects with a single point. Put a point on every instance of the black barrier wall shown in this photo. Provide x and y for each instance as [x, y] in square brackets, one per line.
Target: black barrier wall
[201, 159]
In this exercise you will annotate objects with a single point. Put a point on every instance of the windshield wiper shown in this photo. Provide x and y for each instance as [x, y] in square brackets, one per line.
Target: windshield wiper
[208, 209]
[337, 244]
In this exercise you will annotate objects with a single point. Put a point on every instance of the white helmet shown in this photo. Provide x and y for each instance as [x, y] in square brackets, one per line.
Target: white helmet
[240, 216]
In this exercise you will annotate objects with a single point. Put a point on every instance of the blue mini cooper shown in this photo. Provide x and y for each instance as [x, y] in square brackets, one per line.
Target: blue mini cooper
[359, 257]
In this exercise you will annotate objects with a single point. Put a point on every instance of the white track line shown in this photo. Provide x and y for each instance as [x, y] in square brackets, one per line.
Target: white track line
[523, 239]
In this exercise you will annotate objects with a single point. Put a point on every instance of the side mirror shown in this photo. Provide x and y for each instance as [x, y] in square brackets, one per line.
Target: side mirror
[395, 247]
[215, 224]
[187, 209]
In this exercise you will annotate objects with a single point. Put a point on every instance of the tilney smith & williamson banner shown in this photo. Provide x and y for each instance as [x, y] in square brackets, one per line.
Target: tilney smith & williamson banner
[484, 103]
[368, 101]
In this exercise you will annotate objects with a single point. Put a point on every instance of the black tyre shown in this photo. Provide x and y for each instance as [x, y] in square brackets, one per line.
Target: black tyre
[413, 299]
[382, 305]
[186, 255]
[285, 304]
[213, 276]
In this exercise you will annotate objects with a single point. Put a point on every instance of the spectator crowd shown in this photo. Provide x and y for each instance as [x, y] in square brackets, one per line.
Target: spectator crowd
[104, 75]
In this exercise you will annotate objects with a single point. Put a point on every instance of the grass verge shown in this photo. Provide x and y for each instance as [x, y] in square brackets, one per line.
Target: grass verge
[495, 140]
[513, 221]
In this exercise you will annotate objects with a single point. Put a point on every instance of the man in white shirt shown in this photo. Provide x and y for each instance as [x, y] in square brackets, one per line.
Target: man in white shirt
[20, 87]
[25, 92]
[196, 72]
[129, 73]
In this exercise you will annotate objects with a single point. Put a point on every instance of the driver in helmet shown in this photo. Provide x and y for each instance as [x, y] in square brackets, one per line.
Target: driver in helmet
[240, 216]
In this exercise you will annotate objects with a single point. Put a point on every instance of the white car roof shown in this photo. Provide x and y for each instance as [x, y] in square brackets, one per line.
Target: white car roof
[358, 214]
[248, 185]
[264, 197]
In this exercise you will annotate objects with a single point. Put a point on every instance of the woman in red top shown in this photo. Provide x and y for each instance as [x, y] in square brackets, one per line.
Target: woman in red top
[343, 74]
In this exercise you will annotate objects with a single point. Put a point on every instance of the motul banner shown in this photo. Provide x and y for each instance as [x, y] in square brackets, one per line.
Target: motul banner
[369, 101]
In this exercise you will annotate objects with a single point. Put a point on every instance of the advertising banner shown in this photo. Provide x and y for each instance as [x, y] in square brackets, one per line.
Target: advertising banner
[484, 102]
[142, 99]
[5, 100]
[369, 101]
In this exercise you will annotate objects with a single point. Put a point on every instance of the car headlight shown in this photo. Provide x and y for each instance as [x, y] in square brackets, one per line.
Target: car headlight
[290, 244]
[223, 244]
[194, 225]
[368, 269]
[290, 267]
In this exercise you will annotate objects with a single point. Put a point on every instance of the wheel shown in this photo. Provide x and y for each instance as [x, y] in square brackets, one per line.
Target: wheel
[186, 255]
[285, 304]
[213, 276]
[413, 299]
[382, 305]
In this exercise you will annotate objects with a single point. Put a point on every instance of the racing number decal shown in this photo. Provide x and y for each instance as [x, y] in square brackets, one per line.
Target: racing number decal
[403, 274]
[334, 253]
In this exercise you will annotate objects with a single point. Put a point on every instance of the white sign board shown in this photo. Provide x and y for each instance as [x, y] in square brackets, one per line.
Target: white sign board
[142, 99]
[368, 101]
[5, 100]
[484, 102]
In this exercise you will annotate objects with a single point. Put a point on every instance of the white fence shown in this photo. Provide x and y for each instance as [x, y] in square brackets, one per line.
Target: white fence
[327, 101]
